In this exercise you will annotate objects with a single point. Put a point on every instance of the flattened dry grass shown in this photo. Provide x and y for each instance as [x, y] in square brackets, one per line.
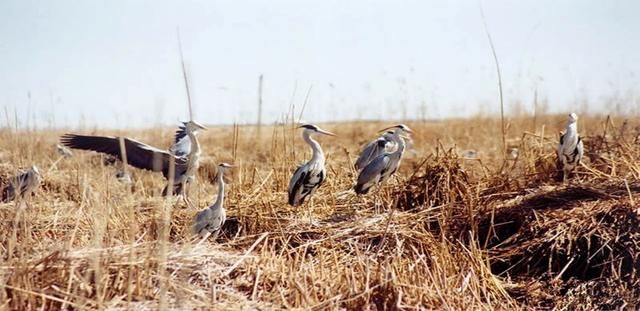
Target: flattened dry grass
[447, 233]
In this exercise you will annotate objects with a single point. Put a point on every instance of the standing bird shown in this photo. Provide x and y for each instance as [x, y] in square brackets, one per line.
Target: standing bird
[308, 176]
[211, 219]
[373, 149]
[385, 165]
[570, 149]
[22, 185]
[146, 157]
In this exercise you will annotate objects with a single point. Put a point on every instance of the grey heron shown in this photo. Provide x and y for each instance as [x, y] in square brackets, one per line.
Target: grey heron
[373, 149]
[211, 219]
[146, 157]
[570, 149]
[385, 165]
[310, 175]
[21, 185]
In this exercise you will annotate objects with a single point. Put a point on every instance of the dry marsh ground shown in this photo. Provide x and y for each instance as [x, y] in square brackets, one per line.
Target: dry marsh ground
[447, 233]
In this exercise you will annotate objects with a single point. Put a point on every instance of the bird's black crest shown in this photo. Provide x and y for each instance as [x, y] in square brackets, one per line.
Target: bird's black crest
[180, 133]
[310, 127]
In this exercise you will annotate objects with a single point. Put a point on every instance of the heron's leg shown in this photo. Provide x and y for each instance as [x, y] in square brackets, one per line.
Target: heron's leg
[215, 234]
[185, 197]
[309, 209]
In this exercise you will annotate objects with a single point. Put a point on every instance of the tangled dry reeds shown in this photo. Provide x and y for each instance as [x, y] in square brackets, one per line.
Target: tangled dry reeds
[448, 233]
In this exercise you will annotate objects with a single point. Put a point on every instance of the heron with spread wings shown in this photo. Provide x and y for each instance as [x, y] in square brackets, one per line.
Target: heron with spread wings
[385, 164]
[147, 157]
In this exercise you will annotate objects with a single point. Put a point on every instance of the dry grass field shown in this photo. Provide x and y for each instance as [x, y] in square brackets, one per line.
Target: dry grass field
[448, 232]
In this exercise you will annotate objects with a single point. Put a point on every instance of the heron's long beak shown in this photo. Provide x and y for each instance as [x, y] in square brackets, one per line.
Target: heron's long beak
[321, 131]
[198, 125]
[386, 129]
[407, 138]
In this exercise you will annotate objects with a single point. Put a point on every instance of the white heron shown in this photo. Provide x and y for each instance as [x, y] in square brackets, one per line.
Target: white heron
[373, 149]
[570, 149]
[310, 175]
[211, 219]
[22, 185]
[385, 165]
[146, 157]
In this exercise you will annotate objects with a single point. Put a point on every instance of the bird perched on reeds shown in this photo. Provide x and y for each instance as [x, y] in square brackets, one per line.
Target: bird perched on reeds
[211, 219]
[310, 175]
[385, 165]
[22, 185]
[570, 149]
[146, 157]
[373, 149]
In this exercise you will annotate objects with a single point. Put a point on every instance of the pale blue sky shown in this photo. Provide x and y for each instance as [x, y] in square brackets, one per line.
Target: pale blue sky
[116, 63]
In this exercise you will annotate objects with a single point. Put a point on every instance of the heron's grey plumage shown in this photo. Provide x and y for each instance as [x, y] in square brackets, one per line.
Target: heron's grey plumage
[373, 149]
[311, 175]
[21, 185]
[571, 148]
[384, 165]
[144, 156]
[211, 219]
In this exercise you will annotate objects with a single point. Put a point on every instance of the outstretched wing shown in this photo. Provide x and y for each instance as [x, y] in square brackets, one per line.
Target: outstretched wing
[139, 155]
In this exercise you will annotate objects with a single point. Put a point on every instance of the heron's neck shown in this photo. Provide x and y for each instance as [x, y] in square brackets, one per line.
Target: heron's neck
[572, 128]
[195, 145]
[220, 198]
[318, 155]
[401, 144]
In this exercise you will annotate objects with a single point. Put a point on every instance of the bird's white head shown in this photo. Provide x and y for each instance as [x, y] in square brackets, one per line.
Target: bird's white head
[194, 126]
[399, 129]
[573, 118]
[312, 128]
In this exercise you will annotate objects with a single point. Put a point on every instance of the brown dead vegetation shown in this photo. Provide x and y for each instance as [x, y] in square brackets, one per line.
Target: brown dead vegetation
[448, 232]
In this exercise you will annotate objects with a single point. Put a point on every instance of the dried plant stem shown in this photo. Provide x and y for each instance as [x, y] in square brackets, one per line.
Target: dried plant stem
[497, 63]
